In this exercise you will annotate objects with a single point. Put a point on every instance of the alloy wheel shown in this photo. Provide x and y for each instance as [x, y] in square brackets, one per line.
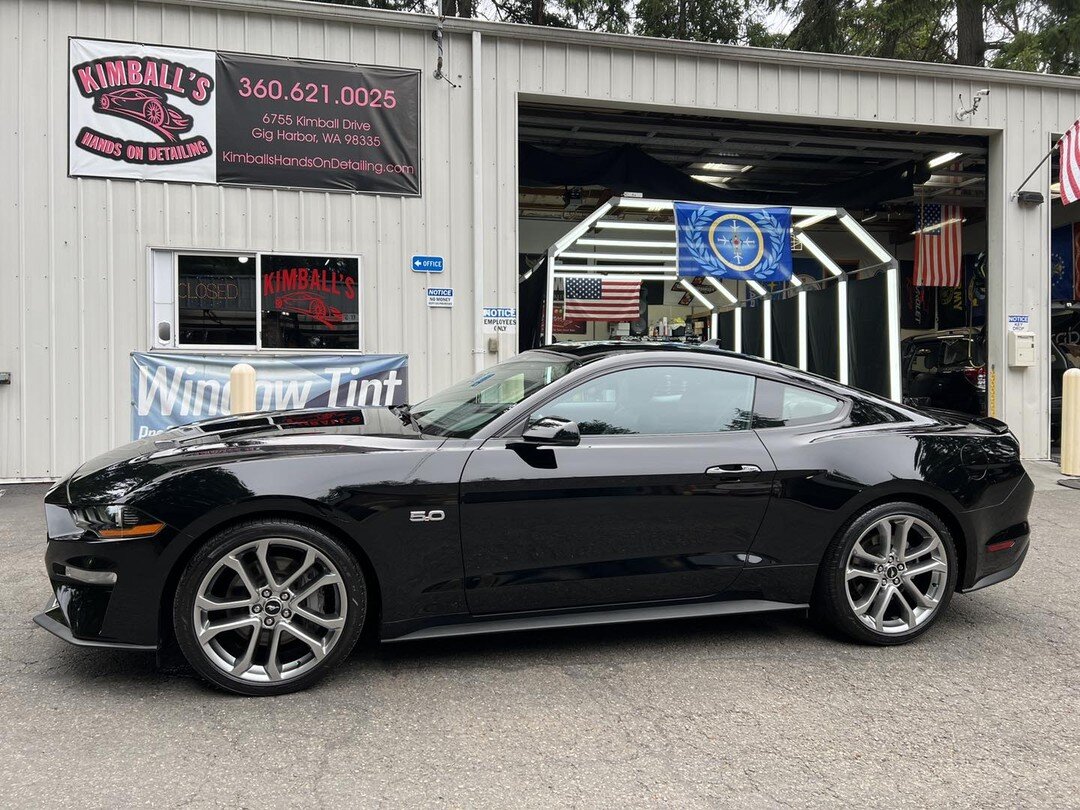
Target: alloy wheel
[896, 574]
[270, 610]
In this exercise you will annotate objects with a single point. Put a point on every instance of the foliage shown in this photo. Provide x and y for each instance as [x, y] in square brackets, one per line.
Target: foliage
[1033, 35]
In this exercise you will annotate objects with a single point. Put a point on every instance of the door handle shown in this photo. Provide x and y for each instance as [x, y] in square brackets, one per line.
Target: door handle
[733, 469]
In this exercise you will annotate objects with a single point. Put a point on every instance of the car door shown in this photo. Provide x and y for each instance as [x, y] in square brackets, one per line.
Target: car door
[661, 500]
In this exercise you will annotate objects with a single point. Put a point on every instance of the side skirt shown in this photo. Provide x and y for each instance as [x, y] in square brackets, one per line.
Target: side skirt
[646, 614]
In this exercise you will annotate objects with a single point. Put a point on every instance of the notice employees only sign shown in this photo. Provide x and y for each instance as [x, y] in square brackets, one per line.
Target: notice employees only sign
[148, 112]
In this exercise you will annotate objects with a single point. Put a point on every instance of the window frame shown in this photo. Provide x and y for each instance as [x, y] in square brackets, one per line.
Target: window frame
[518, 427]
[256, 259]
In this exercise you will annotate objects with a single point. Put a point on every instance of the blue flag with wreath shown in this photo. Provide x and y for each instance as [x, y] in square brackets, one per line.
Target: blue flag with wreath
[734, 242]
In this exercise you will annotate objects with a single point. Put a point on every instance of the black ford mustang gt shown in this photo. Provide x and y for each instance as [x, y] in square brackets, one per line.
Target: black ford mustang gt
[574, 484]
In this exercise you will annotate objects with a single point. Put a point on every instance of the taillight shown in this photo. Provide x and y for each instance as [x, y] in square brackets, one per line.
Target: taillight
[976, 376]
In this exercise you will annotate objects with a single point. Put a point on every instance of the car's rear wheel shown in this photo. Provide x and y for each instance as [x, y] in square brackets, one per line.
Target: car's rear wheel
[268, 607]
[888, 575]
[154, 112]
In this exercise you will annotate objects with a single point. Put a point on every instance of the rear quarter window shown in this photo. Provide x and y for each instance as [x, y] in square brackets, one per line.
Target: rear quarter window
[782, 405]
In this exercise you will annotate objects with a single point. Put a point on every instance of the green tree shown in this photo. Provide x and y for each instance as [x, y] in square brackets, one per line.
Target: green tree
[728, 21]
[1035, 35]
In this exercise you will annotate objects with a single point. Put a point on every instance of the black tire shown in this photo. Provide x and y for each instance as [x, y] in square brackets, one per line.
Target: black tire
[235, 538]
[833, 605]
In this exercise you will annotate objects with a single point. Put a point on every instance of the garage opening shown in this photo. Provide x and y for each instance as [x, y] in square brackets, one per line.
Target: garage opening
[1064, 271]
[921, 195]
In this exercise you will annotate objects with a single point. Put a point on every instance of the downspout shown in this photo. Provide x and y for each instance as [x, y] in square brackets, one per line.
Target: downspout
[477, 207]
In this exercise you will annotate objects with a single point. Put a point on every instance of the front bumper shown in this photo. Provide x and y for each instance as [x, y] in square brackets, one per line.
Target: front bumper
[54, 620]
[105, 593]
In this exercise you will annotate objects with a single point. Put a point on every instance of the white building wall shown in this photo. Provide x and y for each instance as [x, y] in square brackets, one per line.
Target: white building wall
[74, 283]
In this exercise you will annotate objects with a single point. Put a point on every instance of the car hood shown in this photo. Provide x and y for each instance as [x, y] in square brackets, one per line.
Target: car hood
[113, 476]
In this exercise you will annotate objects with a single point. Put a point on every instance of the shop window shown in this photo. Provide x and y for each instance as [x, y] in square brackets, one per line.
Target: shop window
[309, 302]
[658, 400]
[215, 300]
[257, 302]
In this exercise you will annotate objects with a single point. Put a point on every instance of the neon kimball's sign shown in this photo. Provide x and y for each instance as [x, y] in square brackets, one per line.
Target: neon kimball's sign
[140, 89]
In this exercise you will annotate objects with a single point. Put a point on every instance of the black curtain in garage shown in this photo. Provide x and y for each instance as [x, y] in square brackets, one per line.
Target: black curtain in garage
[822, 331]
[785, 330]
[726, 330]
[868, 339]
[531, 302]
[752, 334]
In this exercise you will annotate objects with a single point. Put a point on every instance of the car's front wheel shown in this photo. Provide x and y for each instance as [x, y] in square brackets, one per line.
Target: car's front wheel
[888, 575]
[267, 607]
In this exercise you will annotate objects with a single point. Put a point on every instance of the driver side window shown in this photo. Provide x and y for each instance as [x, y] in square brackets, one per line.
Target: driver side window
[657, 400]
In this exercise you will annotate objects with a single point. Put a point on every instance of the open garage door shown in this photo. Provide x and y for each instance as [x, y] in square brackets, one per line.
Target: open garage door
[628, 241]
[911, 191]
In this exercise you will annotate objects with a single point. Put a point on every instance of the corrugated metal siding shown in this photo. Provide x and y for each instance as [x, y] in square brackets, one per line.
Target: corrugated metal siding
[74, 293]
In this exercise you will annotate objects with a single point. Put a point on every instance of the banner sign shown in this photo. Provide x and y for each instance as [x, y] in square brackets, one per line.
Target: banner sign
[141, 113]
[737, 243]
[169, 389]
[917, 306]
[1064, 251]
[287, 122]
[146, 112]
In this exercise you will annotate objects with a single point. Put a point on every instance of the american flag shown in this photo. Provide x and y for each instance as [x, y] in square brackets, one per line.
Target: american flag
[1069, 170]
[937, 245]
[595, 299]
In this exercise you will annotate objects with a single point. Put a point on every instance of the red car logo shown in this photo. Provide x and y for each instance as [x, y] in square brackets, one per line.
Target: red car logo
[305, 303]
[147, 108]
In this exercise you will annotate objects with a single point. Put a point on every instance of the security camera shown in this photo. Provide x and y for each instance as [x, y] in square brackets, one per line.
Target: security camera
[963, 111]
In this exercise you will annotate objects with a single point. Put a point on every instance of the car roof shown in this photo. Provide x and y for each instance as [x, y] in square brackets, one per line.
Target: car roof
[591, 351]
[584, 349]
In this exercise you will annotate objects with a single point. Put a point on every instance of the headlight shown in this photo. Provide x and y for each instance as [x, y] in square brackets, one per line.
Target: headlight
[115, 522]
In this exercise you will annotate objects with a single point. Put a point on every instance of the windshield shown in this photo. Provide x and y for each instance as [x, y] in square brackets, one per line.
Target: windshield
[464, 408]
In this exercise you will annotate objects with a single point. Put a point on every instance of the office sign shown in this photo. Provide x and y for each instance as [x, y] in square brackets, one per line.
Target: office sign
[147, 112]
[426, 264]
[169, 389]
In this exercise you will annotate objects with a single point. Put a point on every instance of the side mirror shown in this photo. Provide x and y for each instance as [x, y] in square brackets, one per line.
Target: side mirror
[549, 431]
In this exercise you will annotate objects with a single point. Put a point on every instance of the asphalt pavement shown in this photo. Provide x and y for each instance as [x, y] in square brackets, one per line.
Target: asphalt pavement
[750, 711]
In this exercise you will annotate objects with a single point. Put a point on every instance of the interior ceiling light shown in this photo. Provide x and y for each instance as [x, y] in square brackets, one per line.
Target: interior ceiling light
[722, 167]
[634, 226]
[690, 288]
[712, 180]
[939, 225]
[948, 156]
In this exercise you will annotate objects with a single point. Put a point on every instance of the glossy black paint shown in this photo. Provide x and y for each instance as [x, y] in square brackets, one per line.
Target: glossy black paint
[613, 522]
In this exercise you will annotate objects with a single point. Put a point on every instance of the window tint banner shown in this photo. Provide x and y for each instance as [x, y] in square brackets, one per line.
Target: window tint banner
[318, 125]
[145, 112]
[168, 390]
